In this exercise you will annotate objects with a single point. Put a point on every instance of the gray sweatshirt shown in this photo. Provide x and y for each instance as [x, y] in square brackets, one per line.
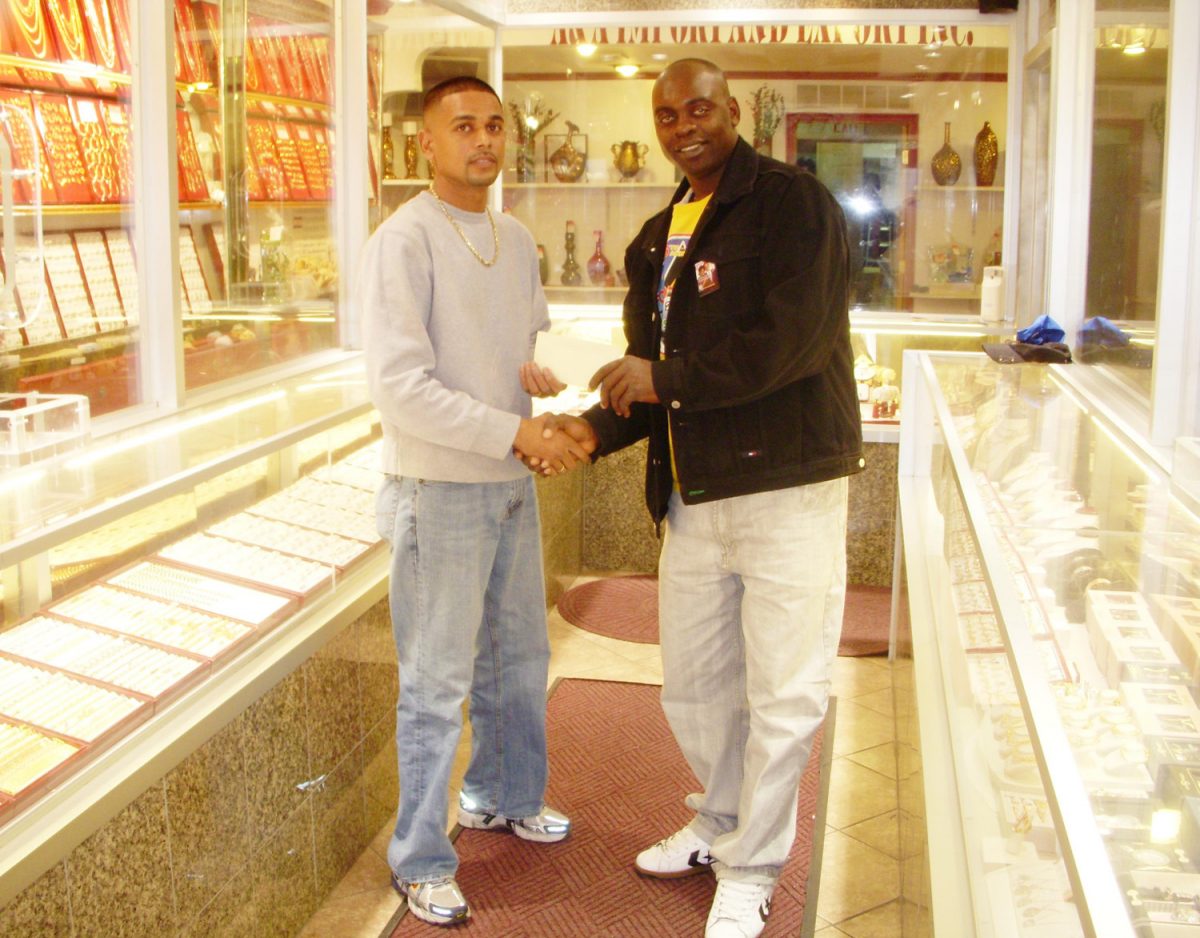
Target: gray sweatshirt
[444, 339]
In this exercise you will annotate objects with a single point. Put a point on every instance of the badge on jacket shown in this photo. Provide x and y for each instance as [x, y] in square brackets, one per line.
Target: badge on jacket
[706, 277]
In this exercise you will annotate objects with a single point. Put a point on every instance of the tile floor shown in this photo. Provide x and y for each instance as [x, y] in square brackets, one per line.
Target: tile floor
[859, 871]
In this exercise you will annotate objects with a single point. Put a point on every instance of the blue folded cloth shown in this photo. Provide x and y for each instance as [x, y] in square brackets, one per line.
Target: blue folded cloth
[1102, 332]
[1040, 331]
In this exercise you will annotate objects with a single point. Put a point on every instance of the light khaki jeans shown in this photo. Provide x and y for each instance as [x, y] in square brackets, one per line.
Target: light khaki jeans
[751, 592]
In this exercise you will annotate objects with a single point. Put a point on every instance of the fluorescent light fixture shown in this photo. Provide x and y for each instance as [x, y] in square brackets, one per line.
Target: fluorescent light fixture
[627, 71]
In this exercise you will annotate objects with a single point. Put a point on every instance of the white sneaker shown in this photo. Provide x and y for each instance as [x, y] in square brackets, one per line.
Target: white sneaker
[739, 910]
[681, 854]
[547, 827]
[438, 901]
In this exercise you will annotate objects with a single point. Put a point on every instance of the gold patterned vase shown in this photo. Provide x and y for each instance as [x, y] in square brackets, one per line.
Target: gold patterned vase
[946, 164]
[986, 153]
[566, 162]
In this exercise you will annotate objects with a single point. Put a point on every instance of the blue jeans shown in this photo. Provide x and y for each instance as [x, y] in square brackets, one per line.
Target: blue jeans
[751, 591]
[468, 610]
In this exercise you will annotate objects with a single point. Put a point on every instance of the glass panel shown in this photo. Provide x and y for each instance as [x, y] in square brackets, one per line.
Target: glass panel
[1128, 132]
[254, 122]
[69, 307]
[418, 46]
[871, 110]
[1035, 192]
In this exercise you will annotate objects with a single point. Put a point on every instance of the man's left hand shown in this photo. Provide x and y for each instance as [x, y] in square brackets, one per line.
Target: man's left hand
[623, 383]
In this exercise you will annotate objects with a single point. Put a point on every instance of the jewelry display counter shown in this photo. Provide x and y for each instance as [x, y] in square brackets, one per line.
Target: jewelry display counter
[151, 577]
[1050, 627]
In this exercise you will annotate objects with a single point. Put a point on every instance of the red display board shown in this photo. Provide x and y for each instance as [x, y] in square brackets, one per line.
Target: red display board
[25, 144]
[102, 33]
[116, 122]
[289, 159]
[261, 139]
[192, 185]
[190, 63]
[60, 147]
[65, 18]
[310, 160]
[99, 159]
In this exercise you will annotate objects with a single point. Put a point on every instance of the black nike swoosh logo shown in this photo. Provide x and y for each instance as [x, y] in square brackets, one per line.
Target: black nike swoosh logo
[765, 909]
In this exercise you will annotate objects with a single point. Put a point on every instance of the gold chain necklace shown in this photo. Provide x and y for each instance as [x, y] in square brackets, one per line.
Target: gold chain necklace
[462, 234]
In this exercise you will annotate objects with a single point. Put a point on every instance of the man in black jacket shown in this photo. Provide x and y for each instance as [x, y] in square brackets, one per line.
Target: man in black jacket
[739, 370]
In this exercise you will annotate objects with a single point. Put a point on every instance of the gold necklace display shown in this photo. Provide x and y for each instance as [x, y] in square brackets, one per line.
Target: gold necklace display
[69, 24]
[29, 20]
[462, 234]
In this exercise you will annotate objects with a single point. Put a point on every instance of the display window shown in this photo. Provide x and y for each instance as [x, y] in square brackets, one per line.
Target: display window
[69, 304]
[257, 258]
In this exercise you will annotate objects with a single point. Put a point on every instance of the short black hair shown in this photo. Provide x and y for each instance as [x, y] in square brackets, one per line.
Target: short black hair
[454, 85]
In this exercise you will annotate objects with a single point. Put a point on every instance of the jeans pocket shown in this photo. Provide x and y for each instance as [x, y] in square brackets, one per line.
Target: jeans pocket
[387, 501]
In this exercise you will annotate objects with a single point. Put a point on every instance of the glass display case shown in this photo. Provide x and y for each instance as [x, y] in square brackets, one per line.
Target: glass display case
[1052, 584]
[136, 568]
[906, 125]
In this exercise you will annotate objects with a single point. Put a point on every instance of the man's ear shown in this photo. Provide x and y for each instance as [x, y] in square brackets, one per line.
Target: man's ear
[735, 112]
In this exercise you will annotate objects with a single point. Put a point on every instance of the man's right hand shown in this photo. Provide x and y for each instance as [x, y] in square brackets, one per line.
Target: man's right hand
[555, 449]
[578, 430]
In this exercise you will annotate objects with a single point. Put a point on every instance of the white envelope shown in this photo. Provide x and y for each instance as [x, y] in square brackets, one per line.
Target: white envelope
[573, 360]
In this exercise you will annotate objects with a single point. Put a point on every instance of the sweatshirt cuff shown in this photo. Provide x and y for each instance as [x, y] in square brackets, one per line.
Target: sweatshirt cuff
[496, 436]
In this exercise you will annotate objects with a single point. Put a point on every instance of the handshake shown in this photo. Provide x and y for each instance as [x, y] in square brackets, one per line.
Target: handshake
[554, 443]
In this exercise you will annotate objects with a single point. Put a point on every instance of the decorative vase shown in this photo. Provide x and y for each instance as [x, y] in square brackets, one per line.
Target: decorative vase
[986, 153]
[411, 152]
[567, 163]
[543, 264]
[629, 158]
[388, 155]
[598, 267]
[946, 164]
[571, 276]
[525, 161]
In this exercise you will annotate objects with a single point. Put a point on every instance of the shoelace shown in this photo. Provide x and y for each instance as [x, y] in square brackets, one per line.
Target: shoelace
[737, 901]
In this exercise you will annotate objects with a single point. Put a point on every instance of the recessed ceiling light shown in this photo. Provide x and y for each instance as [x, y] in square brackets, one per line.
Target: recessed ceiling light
[627, 71]
[586, 49]
[659, 56]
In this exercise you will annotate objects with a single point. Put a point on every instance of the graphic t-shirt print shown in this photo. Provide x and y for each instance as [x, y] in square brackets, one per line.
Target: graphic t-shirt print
[684, 217]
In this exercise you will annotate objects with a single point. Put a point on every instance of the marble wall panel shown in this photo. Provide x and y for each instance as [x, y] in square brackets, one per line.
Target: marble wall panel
[285, 886]
[119, 879]
[871, 522]
[381, 775]
[339, 821]
[560, 504]
[378, 678]
[275, 753]
[333, 707]
[206, 817]
[618, 534]
[231, 913]
[42, 909]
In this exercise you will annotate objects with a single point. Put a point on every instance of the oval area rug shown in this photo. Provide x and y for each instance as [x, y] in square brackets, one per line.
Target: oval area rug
[626, 608]
[622, 607]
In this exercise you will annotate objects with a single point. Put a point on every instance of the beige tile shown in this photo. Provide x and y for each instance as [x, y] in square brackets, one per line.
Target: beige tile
[857, 793]
[881, 832]
[855, 878]
[369, 873]
[858, 728]
[830, 931]
[882, 701]
[881, 758]
[853, 677]
[364, 915]
[882, 922]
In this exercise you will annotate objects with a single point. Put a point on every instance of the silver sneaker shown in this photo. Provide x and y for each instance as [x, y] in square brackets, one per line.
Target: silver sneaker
[438, 901]
[681, 854]
[739, 910]
[547, 827]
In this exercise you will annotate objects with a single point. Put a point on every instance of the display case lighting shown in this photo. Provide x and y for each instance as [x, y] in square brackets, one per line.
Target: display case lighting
[627, 70]
[586, 49]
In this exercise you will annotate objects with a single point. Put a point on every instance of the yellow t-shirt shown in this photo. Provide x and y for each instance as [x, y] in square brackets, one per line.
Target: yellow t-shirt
[684, 218]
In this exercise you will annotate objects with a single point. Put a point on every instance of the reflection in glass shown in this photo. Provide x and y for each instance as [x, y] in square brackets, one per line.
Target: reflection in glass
[1128, 132]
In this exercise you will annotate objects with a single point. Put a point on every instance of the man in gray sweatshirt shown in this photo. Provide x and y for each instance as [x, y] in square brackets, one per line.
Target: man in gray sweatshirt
[452, 303]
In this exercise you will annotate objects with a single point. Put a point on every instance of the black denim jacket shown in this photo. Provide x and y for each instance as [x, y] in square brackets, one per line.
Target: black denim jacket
[758, 381]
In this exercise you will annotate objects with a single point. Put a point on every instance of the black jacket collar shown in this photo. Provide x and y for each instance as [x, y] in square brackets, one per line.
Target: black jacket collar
[738, 178]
